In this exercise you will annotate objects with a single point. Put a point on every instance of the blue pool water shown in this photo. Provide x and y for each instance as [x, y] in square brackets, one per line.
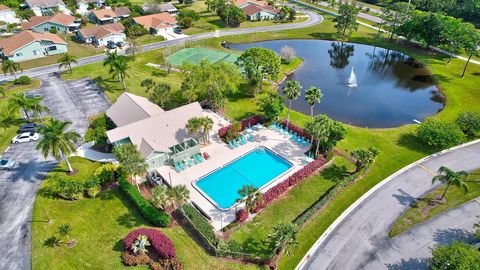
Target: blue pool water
[256, 168]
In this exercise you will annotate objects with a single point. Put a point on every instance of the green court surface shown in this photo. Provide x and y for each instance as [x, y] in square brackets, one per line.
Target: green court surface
[195, 55]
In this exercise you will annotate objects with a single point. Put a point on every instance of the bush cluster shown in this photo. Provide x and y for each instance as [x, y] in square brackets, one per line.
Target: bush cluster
[241, 215]
[24, 80]
[440, 134]
[160, 243]
[150, 213]
[130, 259]
[245, 123]
[200, 223]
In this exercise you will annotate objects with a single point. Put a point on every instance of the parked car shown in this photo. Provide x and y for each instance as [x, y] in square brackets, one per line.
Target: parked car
[28, 127]
[177, 30]
[25, 137]
[111, 45]
[6, 164]
[120, 44]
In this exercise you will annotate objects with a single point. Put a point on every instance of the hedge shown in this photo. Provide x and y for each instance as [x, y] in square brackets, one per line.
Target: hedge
[162, 245]
[150, 213]
[245, 123]
[200, 223]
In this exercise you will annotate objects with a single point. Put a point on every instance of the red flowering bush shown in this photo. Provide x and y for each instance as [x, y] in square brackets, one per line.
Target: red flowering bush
[241, 215]
[162, 245]
[245, 123]
[296, 129]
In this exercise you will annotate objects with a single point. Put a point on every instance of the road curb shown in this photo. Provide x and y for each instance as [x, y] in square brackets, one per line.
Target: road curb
[365, 196]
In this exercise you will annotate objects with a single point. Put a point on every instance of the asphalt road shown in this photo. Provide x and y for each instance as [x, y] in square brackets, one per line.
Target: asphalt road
[314, 18]
[358, 241]
[73, 101]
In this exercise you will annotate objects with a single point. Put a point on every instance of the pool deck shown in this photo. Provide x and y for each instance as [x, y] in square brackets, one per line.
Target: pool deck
[221, 154]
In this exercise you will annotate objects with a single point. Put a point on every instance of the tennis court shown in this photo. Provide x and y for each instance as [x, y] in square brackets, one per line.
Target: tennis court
[195, 55]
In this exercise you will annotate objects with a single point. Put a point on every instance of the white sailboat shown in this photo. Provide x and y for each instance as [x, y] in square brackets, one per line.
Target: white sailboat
[352, 80]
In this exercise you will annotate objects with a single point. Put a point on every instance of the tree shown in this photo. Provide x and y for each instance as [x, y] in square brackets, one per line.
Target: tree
[292, 90]
[120, 69]
[64, 230]
[134, 164]
[450, 177]
[439, 133]
[2, 91]
[313, 95]
[57, 141]
[250, 196]
[37, 107]
[179, 195]
[132, 47]
[207, 125]
[258, 64]
[160, 93]
[325, 131]
[394, 15]
[140, 245]
[148, 84]
[160, 197]
[9, 66]
[7, 117]
[471, 45]
[469, 123]
[66, 61]
[135, 30]
[213, 5]
[231, 15]
[52, 242]
[20, 102]
[364, 157]
[346, 21]
[287, 54]
[186, 17]
[26, 14]
[194, 125]
[272, 105]
[458, 255]
[455, 32]
[284, 235]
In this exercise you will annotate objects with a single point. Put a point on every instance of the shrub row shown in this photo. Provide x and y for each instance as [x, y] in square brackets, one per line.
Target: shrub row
[200, 223]
[162, 245]
[292, 180]
[23, 80]
[150, 213]
[300, 131]
[245, 123]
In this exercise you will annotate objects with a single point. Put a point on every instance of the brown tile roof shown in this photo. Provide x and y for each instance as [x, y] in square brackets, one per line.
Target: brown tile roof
[159, 20]
[252, 9]
[15, 42]
[122, 11]
[104, 14]
[59, 18]
[44, 3]
[102, 30]
[3, 7]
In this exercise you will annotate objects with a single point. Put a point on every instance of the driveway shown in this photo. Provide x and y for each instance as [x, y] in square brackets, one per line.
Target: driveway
[361, 238]
[73, 101]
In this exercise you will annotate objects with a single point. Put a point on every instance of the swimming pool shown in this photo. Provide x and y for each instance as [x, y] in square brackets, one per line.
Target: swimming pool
[256, 168]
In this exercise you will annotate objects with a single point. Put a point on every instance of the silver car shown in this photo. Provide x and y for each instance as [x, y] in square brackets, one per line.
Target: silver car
[6, 164]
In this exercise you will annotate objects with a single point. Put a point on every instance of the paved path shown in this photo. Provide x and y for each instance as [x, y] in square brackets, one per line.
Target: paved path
[314, 18]
[358, 239]
[73, 101]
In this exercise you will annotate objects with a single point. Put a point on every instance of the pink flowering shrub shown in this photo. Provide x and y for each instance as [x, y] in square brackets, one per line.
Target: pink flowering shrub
[241, 215]
[300, 131]
[162, 245]
[245, 123]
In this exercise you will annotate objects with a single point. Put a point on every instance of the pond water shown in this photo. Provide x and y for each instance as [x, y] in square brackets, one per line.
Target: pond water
[392, 88]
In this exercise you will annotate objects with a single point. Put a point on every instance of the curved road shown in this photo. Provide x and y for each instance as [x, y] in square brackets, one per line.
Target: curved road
[314, 18]
[360, 240]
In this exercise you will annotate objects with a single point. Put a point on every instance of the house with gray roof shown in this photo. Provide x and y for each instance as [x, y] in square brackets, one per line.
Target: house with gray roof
[160, 136]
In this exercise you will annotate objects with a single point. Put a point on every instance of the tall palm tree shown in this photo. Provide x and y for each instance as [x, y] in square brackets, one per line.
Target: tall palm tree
[250, 196]
[111, 60]
[57, 141]
[292, 89]
[313, 95]
[179, 195]
[66, 61]
[284, 235]
[37, 107]
[120, 69]
[160, 197]
[450, 177]
[194, 125]
[131, 160]
[9, 66]
[20, 102]
[207, 124]
[7, 117]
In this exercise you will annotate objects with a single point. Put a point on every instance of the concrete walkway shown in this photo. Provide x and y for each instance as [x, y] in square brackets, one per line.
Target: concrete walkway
[357, 238]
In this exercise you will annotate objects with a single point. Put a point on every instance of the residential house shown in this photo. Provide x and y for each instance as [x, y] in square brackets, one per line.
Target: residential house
[158, 24]
[157, 8]
[8, 15]
[84, 5]
[257, 10]
[107, 15]
[47, 7]
[160, 136]
[100, 35]
[30, 45]
[62, 23]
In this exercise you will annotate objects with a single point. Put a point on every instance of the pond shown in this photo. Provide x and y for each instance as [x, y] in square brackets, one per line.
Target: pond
[392, 88]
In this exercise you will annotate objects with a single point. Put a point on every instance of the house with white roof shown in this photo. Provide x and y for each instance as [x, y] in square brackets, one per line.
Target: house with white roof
[160, 136]
[8, 15]
[47, 7]
[84, 5]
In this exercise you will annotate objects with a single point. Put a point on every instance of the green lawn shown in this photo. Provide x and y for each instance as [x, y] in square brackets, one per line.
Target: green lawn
[147, 39]
[7, 134]
[99, 225]
[454, 197]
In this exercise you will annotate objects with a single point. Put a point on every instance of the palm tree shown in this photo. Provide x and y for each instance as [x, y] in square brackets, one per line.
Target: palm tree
[292, 89]
[20, 101]
[26, 14]
[284, 235]
[7, 117]
[148, 84]
[160, 197]
[207, 124]
[450, 177]
[179, 195]
[37, 107]
[120, 69]
[194, 125]
[57, 141]
[52, 242]
[250, 196]
[313, 95]
[364, 157]
[140, 245]
[131, 160]
[64, 230]
[66, 61]
[110, 60]
[9, 66]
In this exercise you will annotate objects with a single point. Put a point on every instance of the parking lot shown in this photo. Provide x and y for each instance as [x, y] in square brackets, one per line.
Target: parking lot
[68, 100]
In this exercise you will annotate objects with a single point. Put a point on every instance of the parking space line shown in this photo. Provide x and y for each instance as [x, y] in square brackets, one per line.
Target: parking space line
[427, 169]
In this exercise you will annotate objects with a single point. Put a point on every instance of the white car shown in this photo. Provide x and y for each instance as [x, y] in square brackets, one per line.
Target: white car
[6, 164]
[25, 137]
